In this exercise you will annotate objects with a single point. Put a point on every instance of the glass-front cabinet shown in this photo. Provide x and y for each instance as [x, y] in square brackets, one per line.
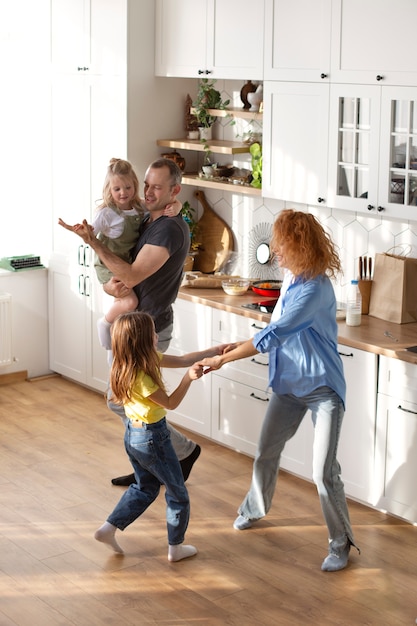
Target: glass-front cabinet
[399, 151]
[373, 150]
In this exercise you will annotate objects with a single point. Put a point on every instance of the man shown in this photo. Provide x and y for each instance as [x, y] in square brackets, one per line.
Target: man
[155, 275]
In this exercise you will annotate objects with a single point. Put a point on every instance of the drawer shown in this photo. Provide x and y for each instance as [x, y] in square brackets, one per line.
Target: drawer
[397, 379]
[230, 327]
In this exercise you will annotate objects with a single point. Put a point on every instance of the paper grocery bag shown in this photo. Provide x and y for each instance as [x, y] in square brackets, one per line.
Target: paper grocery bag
[394, 289]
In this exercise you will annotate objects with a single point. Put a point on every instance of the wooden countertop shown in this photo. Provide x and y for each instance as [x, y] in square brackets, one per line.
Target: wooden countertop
[369, 336]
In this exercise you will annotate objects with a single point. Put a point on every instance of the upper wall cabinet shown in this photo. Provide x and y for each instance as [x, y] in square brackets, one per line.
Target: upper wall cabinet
[84, 37]
[297, 40]
[373, 150]
[209, 38]
[374, 42]
[24, 39]
[295, 141]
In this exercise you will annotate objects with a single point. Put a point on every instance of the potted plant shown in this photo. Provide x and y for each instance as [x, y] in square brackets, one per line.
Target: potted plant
[208, 97]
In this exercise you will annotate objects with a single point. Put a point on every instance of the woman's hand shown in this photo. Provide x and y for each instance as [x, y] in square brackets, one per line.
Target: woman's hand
[210, 364]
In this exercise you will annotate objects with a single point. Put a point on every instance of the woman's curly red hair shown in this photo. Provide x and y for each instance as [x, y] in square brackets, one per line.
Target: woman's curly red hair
[310, 248]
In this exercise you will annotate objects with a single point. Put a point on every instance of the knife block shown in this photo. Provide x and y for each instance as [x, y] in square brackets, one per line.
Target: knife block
[365, 287]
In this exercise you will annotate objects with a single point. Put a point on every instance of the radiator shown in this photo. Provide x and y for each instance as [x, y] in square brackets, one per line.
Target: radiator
[5, 329]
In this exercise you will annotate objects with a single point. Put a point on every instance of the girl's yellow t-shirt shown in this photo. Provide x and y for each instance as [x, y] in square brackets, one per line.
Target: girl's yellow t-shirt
[140, 405]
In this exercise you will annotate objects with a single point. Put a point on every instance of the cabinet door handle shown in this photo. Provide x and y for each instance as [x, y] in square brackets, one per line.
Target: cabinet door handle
[319, 200]
[253, 395]
[345, 354]
[207, 72]
[258, 362]
[256, 326]
[406, 410]
[87, 286]
[81, 284]
[379, 77]
[85, 259]
[83, 69]
[380, 209]
[370, 207]
[324, 76]
[80, 258]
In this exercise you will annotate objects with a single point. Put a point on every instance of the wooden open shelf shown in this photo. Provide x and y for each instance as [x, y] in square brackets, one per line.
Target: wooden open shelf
[245, 114]
[196, 181]
[216, 145]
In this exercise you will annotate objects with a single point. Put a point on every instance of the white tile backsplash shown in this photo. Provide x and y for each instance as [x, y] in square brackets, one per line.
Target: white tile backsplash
[354, 234]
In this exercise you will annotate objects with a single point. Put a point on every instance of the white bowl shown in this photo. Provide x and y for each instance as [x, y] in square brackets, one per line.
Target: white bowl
[235, 286]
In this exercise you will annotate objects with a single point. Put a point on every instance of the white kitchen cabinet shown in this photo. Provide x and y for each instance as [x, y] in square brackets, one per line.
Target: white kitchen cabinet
[373, 42]
[395, 459]
[29, 321]
[83, 142]
[373, 150]
[297, 40]
[88, 36]
[295, 134]
[357, 437]
[216, 38]
[76, 301]
[239, 389]
[24, 39]
[192, 332]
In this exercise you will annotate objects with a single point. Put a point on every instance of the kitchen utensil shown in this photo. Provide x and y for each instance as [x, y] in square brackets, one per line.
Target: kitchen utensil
[216, 238]
[235, 286]
[390, 335]
[267, 288]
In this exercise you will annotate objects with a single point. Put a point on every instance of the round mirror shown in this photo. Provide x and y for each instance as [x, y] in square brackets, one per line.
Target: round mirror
[262, 253]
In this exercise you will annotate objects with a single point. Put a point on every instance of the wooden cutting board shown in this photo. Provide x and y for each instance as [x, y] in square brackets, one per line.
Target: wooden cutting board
[216, 239]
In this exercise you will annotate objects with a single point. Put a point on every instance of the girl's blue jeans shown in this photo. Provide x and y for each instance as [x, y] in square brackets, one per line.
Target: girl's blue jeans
[282, 419]
[154, 461]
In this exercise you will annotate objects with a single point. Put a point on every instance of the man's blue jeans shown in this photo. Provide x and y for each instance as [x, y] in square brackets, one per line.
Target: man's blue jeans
[282, 419]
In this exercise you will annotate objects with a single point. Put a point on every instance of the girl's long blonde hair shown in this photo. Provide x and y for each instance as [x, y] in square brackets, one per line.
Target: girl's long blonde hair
[133, 346]
[124, 169]
[310, 248]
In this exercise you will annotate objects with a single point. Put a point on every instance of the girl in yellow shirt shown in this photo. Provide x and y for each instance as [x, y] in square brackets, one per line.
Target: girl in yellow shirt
[136, 382]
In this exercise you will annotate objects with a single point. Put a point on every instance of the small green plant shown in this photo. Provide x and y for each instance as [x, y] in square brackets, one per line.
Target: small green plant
[207, 98]
[188, 213]
[256, 152]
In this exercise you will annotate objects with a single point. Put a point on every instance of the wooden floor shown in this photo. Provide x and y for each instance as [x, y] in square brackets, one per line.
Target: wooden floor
[60, 446]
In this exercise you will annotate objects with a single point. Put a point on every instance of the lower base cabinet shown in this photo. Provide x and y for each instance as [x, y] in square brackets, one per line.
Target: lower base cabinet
[395, 459]
[237, 414]
[192, 332]
[379, 431]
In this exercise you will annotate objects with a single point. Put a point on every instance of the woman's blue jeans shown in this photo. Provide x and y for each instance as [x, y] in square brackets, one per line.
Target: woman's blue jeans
[282, 419]
[154, 461]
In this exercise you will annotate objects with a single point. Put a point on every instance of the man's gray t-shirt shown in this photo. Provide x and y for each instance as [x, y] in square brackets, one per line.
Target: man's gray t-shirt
[157, 293]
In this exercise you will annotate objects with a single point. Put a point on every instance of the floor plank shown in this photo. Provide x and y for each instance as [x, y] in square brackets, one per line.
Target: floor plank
[60, 446]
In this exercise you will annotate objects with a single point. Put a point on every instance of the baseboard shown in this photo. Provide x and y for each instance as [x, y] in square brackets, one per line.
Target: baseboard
[15, 377]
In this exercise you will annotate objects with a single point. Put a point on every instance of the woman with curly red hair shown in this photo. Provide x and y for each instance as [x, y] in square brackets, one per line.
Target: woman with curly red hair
[305, 373]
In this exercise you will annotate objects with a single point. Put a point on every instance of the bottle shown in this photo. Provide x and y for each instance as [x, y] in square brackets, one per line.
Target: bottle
[354, 305]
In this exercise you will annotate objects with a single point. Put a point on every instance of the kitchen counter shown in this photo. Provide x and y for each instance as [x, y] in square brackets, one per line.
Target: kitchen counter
[369, 336]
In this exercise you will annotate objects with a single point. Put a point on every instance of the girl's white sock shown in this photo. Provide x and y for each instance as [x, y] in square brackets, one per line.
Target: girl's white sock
[105, 534]
[176, 553]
